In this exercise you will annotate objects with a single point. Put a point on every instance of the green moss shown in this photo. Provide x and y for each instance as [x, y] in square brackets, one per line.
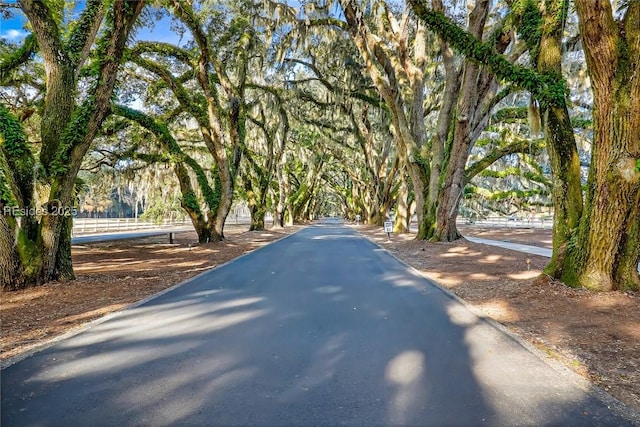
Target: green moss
[529, 25]
[17, 57]
[17, 161]
[510, 113]
[73, 136]
[545, 87]
[175, 153]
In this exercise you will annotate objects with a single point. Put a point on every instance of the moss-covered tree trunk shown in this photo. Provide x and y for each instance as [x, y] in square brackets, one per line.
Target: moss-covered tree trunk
[545, 48]
[173, 154]
[451, 191]
[278, 218]
[67, 128]
[10, 276]
[466, 119]
[445, 118]
[605, 253]
[403, 216]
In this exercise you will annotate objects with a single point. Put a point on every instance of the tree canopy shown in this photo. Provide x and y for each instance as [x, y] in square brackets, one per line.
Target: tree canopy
[423, 111]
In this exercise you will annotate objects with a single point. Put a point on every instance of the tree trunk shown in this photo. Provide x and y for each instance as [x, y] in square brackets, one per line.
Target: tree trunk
[467, 118]
[64, 265]
[402, 208]
[626, 275]
[290, 215]
[67, 130]
[200, 225]
[567, 184]
[420, 187]
[282, 197]
[560, 140]
[607, 240]
[10, 275]
[257, 218]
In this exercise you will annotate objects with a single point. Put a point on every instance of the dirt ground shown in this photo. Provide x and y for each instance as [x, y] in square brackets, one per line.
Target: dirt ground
[597, 335]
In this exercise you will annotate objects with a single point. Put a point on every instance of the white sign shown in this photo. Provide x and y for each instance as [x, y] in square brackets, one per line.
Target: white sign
[388, 226]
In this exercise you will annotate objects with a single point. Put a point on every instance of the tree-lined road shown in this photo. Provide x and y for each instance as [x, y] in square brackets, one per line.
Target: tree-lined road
[321, 328]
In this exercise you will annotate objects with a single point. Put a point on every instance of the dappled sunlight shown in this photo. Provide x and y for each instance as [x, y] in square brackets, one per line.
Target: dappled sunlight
[14, 299]
[206, 293]
[524, 275]
[406, 373]
[188, 264]
[123, 266]
[200, 269]
[109, 361]
[91, 314]
[481, 276]
[604, 303]
[459, 252]
[491, 258]
[405, 368]
[460, 315]
[205, 382]
[632, 330]
[164, 321]
[335, 237]
[444, 278]
[407, 279]
[504, 371]
[328, 289]
[499, 310]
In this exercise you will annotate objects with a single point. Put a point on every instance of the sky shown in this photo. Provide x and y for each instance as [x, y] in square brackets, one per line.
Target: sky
[13, 30]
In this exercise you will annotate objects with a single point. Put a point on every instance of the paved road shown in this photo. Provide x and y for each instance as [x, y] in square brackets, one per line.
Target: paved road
[322, 328]
[527, 249]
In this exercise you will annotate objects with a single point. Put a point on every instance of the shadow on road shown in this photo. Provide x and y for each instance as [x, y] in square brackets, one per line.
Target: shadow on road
[322, 328]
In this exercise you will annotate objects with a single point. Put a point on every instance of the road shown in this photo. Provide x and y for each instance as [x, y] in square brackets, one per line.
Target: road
[321, 328]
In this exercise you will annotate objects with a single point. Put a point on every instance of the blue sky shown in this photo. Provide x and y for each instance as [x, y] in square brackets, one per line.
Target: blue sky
[13, 29]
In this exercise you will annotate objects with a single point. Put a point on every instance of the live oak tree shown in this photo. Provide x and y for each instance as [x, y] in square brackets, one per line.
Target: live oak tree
[264, 151]
[339, 101]
[184, 167]
[602, 253]
[217, 66]
[396, 53]
[398, 74]
[36, 248]
[605, 252]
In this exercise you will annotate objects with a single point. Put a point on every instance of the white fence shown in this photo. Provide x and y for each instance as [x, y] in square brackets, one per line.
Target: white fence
[512, 222]
[104, 225]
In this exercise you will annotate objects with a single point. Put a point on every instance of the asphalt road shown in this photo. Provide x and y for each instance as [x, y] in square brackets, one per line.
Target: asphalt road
[321, 328]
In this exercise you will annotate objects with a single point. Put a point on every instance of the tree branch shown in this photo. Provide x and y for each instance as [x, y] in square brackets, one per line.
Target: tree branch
[547, 88]
[521, 146]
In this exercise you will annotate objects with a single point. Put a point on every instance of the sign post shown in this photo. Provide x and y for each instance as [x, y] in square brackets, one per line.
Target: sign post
[388, 228]
[357, 219]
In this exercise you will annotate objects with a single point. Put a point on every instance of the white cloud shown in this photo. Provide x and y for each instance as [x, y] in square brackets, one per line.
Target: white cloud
[14, 34]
